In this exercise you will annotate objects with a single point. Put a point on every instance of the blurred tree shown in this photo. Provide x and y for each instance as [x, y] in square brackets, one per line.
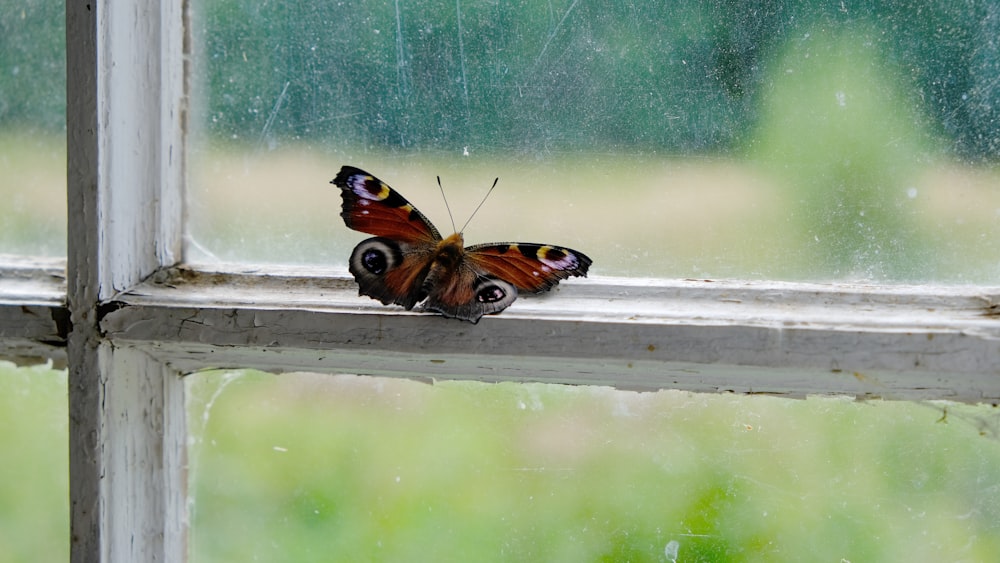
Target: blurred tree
[523, 76]
[837, 127]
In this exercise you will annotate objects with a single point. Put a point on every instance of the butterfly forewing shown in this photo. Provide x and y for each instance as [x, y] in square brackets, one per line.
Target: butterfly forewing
[528, 266]
[371, 206]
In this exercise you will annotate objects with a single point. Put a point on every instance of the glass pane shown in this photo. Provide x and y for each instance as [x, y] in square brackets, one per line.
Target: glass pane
[34, 467]
[797, 140]
[32, 127]
[342, 468]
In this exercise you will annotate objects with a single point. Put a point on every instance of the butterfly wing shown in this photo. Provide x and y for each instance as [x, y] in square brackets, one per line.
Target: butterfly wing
[391, 266]
[372, 207]
[407, 262]
[530, 267]
[391, 271]
[468, 293]
[489, 276]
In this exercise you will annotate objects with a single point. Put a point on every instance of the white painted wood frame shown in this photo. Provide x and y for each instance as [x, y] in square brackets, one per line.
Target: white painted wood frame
[125, 120]
[130, 321]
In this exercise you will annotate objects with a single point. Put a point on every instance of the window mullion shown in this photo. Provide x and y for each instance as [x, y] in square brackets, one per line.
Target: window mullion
[125, 121]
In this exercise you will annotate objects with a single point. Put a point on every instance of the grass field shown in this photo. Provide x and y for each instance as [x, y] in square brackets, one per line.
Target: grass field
[33, 192]
[634, 215]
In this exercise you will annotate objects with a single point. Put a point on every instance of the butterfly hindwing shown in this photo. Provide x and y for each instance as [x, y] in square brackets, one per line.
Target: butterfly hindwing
[489, 276]
[467, 294]
[391, 271]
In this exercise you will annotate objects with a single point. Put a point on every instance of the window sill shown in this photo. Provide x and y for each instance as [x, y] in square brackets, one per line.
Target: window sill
[790, 339]
[34, 320]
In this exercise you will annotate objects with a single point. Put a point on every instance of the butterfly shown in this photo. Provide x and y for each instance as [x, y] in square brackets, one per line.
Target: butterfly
[407, 262]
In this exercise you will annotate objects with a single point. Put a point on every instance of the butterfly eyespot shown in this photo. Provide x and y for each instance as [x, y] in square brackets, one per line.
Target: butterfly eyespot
[375, 256]
[557, 258]
[374, 261]
[491, 294]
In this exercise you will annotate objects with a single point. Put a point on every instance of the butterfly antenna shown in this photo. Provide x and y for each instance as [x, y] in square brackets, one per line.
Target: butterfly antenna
[446, 206]
[480, 205]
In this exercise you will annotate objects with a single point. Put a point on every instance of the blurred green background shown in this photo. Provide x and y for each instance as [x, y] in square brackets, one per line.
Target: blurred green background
[306, 467]
[34, 465]
[532, 77]
[344, 468]
[790, 140]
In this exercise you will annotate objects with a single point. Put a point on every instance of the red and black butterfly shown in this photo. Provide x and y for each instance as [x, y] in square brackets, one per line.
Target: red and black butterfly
[407, 262]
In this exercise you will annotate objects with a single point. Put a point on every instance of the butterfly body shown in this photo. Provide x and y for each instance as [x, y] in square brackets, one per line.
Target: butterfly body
[408, 262]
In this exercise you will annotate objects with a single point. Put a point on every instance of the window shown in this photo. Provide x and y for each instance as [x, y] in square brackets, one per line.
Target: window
[785, 142]
[141, 317]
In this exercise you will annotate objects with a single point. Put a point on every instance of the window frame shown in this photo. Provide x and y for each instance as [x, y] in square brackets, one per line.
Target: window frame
[129, 318]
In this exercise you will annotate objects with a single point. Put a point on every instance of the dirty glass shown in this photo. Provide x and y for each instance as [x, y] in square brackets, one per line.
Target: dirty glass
[341, 468]
[32, 128]
[789, 140]
[793, 140]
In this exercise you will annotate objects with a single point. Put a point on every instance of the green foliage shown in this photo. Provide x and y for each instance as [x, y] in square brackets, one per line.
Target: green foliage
[521, 76]
[320, 468]
[533, 77]
[516, 75]
[32, 64]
